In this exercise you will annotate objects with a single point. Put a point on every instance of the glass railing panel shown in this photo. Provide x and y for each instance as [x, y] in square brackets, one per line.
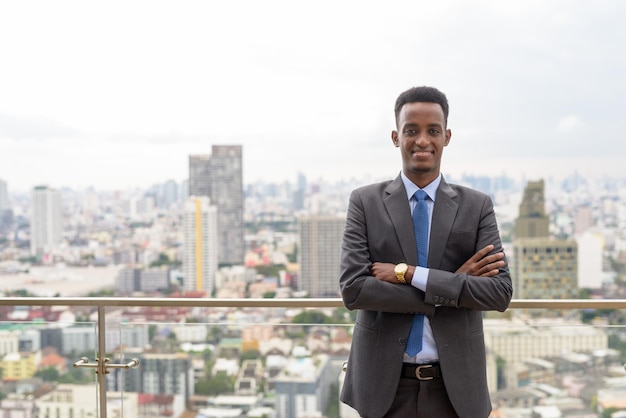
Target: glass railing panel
[236, 362]
[257, 362]
[37, 365]
[544, 362]
[255, 359]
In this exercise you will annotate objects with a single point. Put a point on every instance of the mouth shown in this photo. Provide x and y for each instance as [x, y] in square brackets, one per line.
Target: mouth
[422, 154]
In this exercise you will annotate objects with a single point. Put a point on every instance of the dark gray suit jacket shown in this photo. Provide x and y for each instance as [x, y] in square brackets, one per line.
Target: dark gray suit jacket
[379, 228]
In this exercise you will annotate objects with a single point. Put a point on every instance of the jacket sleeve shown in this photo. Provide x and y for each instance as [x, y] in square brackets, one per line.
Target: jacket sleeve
[359, 289]
[446, 288]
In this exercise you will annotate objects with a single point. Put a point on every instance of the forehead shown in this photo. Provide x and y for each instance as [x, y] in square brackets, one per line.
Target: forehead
[421, 112]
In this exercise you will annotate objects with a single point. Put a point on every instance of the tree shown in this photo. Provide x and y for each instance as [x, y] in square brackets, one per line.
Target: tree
[608, 412]
[101, 293]
[215, 334]
[344, 316]
[311, 317]
[49, 374]
[332, 410]
[161, 261]
[215, 385]
[78, 376]
[271, 270]
[249, 355]
[293, 257]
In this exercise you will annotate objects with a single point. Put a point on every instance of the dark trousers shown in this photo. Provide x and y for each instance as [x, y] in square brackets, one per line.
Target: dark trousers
[421, 399]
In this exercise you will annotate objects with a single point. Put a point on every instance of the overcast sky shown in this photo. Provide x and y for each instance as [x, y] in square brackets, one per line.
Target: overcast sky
[119, 94]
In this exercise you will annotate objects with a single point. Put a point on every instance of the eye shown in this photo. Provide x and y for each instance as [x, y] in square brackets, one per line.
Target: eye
[410, 132]
[434, 131]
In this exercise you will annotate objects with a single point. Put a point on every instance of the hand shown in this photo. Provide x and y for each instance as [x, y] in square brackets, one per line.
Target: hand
[384, 272]
[481, 264]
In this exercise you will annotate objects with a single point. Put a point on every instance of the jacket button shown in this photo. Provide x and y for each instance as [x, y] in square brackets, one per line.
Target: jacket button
[402, 340]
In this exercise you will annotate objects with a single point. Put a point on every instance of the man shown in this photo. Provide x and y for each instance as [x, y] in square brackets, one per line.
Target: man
[463, 273]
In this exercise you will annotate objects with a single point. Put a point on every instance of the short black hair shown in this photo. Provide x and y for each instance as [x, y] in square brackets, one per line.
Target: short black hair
[422, 94]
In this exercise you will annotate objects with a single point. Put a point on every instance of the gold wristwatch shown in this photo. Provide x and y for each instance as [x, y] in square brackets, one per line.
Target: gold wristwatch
[400, 270]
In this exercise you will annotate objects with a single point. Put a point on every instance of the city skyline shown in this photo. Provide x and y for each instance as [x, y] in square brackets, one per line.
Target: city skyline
[94, 97]
[520, 178]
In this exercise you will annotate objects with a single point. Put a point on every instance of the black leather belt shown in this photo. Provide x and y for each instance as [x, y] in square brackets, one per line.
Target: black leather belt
[427, 371]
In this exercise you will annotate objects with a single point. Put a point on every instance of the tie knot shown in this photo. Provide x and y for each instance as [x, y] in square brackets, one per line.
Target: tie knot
[420, 195]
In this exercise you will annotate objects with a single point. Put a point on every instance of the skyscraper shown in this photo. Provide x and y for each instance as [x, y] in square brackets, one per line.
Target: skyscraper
[219, 176]
[542, 267]
[4, 196]
[199, 169]
[45, 223]
[319, 254]
[6, 214]
[200, 250]
[532, 221]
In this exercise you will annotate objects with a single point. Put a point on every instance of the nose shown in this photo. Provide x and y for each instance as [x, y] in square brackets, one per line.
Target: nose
[422, 140]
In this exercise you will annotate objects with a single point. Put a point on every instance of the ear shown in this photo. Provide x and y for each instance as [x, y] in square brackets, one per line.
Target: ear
[394, 138]
[448, 136]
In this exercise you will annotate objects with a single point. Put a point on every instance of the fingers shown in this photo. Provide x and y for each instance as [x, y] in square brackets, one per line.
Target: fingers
[483, 264]
[491, 269]
[490, 259]
[480, 254]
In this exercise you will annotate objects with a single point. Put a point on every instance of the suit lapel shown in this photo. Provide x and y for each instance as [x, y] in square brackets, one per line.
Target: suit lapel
[444, 213]
[399, 211]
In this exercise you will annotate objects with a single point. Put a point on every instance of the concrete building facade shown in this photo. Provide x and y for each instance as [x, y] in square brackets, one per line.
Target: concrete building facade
[45, 222]
[200, 253]
[319, 254]
[219, 176]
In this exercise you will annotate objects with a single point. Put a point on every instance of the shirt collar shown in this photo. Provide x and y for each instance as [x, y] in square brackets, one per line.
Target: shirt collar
[411, 188]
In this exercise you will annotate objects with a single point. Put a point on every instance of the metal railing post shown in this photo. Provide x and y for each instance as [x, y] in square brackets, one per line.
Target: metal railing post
[101, 371]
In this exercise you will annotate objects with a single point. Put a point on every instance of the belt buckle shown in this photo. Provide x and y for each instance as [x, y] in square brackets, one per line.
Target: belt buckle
[418, 372]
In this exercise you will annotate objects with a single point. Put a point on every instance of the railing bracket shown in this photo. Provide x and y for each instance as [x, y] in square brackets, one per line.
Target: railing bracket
[104, 368]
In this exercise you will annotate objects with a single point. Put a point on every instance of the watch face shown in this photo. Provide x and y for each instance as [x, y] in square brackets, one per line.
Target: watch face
[400, 268]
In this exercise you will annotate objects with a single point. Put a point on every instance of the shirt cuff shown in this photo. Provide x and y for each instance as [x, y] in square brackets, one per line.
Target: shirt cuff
[420, 278]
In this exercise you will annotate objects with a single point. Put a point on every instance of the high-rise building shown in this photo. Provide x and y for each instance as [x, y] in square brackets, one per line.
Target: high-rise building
[219, 176]
[6, 214]
[169, 194]
[590, 266]
[200, 250]
[4, 196]
[545, 268]
[583, 221]
[319, 254]
[45, 223]
[532, 221]
[199, 169]
[300, 192]
[542, 267]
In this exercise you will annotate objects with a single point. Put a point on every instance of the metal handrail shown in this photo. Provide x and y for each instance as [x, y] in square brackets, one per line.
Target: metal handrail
[281, 303]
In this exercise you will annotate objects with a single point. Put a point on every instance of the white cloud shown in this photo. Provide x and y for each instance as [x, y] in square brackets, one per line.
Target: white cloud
[570, 124]
[129, 88]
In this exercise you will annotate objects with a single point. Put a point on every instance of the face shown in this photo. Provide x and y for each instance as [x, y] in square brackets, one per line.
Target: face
[421, 137]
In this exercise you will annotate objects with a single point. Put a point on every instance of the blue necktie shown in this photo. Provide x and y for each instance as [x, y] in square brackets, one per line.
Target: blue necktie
[420, 228]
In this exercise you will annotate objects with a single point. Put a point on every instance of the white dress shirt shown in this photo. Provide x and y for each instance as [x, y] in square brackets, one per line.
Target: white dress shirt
[429, 352]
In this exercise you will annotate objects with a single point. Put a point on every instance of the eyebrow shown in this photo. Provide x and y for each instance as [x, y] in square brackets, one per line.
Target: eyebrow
[431, 125]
